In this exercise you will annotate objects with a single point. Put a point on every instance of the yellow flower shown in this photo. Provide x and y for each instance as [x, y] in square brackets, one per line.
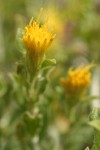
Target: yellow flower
[37, 38]
[77, 80]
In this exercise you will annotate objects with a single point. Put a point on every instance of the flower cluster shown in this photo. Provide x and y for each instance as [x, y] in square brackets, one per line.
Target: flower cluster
[37, 38]
[77, 80]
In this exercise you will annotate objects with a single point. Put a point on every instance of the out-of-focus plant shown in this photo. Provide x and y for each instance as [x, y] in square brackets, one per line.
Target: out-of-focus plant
[95, 123]
[28, 85]
[39, 109]
[77, 81]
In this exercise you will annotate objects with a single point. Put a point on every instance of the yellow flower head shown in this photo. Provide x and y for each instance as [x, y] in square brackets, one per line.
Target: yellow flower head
[77, 80]
[37, 38]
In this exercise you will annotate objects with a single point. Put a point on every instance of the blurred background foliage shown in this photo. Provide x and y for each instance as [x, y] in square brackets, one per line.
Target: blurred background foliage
[77, 27]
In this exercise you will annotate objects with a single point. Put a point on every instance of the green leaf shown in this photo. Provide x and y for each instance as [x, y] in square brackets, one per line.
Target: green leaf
[48, 63]
[19, 36]
[96, 145]
[95, 114]
[95, 124]
[95, 119]
[33, 123]
[42, 85]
